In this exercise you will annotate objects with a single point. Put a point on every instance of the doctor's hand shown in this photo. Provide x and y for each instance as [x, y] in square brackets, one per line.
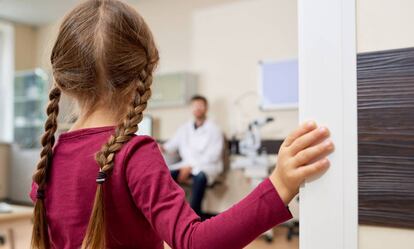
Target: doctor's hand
[184, 175]
[302, 155]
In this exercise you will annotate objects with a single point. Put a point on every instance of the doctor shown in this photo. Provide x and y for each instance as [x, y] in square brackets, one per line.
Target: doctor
[199, 143]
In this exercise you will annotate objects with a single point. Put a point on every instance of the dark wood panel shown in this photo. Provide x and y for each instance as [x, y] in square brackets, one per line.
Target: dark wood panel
[386, 138]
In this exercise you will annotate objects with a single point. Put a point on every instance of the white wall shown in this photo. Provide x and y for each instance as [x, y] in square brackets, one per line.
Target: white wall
[382, 25]
[228, 43]
[385, 238]
[183, 30]
[25, 47]
[193, 35]
[170, 22]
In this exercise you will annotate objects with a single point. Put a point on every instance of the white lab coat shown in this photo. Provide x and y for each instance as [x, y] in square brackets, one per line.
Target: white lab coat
[199, 148]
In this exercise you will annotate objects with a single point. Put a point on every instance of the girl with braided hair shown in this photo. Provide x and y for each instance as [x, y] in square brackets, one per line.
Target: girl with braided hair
[102, 186]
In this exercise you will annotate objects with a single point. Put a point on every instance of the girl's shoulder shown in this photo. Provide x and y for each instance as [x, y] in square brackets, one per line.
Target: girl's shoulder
[143, 162]
[141, 139]
[142, 150]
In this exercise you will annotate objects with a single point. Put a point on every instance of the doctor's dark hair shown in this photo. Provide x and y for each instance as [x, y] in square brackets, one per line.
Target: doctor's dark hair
[104, 56]
[201, 98]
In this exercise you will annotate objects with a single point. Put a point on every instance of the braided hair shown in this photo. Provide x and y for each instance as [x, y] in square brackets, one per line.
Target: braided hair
[104, 54]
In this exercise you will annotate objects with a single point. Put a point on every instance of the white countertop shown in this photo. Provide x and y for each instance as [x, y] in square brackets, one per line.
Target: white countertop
[18, 212]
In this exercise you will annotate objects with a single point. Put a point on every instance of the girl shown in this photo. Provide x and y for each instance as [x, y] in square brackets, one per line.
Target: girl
[104, 58]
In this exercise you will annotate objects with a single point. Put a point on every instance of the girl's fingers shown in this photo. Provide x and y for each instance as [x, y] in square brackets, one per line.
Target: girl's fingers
[310, 154]
[308, 139]
[313, 169]
[303, 129]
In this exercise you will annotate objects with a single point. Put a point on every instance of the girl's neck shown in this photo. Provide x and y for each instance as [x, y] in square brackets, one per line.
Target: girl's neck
[99, 118]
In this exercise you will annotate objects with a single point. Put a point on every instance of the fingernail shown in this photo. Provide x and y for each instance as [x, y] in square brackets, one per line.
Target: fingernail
[328, 143]
[310, 124]
[322, 130]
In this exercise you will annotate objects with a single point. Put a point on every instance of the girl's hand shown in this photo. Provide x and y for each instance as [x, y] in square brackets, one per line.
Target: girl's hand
[302, 154]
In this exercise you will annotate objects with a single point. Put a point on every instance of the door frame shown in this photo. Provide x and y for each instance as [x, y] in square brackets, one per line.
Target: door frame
[328, 95]
[6, 82]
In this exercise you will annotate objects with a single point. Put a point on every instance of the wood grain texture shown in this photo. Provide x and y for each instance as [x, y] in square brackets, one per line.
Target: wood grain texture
[386, 138]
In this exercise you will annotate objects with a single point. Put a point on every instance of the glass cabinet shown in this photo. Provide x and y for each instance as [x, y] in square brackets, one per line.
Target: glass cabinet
[30, 98]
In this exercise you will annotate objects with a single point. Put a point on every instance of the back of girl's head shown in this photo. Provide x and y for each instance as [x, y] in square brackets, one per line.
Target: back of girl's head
[103, 48]
[104, 57]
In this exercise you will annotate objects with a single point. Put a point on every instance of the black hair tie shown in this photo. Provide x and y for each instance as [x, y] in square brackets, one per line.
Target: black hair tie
[40, 194]
[100, 179]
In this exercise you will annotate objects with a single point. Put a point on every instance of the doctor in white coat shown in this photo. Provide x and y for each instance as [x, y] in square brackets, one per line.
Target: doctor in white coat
[199, 143]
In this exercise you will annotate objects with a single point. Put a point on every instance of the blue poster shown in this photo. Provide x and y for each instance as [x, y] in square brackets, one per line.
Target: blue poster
[279, 83]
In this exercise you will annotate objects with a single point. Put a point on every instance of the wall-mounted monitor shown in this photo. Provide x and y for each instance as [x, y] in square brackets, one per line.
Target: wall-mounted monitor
[278, 84]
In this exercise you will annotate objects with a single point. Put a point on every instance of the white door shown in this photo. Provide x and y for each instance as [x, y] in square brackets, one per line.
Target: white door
[327, 93]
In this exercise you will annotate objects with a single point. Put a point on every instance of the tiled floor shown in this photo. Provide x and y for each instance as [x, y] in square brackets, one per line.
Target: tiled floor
[280, 241]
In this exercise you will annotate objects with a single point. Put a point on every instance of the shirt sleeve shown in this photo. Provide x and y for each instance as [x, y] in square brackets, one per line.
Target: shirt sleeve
[164, 205]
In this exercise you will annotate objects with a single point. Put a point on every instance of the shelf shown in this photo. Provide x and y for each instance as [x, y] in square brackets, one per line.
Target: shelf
[29, 101]
[25, 100]
[28, 126]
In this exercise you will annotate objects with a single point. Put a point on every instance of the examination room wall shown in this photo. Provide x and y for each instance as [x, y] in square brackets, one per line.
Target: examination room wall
[194, 36]
[24, 52]
[226, 52]
[383, 25]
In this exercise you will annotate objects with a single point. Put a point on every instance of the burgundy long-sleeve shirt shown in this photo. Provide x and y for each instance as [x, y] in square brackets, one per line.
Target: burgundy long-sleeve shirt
[143, 205]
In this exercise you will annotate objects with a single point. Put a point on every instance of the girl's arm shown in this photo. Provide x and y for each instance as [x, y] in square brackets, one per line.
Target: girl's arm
[164, 205]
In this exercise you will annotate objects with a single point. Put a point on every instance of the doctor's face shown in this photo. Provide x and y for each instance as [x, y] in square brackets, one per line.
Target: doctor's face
[199, 109]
